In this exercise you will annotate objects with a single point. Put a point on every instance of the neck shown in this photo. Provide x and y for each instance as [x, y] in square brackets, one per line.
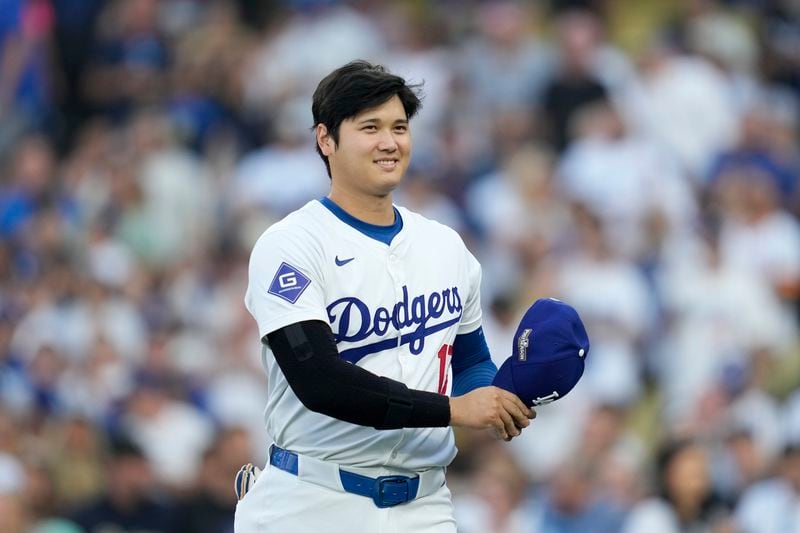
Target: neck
[375, 210]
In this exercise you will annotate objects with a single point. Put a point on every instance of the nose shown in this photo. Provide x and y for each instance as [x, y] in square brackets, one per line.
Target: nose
[387, 142]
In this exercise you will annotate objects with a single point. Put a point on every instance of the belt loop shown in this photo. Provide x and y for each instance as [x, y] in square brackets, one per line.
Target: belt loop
[283, 459]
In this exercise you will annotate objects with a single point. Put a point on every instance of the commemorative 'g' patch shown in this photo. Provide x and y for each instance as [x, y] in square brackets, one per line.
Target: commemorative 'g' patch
[288, 283]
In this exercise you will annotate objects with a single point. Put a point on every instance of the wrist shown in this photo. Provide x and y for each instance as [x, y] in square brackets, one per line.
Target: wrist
[454, 412]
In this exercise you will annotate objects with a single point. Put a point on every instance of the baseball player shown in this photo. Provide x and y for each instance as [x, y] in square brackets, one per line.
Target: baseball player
[370, 320]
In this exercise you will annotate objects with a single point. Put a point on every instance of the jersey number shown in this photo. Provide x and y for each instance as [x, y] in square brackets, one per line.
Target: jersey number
[445, 355]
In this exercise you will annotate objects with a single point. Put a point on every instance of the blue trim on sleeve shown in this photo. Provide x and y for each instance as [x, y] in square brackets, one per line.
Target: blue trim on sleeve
[472, 363]
[384, 234]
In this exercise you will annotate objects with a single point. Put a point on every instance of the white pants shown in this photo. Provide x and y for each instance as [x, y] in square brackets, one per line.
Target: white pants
[280, 502]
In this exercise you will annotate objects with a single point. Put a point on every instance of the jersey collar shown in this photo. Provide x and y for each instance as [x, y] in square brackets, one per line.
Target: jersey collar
[383, 234]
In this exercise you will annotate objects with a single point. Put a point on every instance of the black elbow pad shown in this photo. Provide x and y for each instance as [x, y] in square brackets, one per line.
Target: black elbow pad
[399, 405]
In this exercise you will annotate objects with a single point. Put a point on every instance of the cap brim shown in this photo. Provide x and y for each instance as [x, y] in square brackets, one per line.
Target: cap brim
[534, 382]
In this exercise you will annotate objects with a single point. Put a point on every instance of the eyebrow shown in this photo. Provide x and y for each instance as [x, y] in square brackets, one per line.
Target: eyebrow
[377, 121]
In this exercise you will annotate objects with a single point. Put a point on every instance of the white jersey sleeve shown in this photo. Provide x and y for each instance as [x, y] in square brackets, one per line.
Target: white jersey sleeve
[285, 281]
[471, 319]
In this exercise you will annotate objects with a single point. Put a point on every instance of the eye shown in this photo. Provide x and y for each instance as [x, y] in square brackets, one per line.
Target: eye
[401, 128]
[370, 128]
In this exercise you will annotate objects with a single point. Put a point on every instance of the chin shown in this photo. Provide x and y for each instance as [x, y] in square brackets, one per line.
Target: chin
[389, 181]
[385, 189]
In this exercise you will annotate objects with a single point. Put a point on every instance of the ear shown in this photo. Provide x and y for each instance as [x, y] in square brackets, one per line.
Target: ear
[324, 140]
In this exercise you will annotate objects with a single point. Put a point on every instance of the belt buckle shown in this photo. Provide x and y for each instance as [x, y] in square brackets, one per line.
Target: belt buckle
[389, 491]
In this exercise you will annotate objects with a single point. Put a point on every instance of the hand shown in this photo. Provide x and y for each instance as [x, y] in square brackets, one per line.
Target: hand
[491, 407]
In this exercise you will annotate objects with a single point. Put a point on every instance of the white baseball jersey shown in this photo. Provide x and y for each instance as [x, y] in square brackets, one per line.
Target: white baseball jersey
[394, 309]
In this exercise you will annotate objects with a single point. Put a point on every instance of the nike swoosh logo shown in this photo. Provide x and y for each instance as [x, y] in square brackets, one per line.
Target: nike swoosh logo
[342, 262]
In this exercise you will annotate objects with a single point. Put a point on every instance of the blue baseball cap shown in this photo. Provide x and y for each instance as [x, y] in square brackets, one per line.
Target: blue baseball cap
[548, 356]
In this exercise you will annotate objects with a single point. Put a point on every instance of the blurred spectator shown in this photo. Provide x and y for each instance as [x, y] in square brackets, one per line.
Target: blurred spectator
[76, 463]
[15, 393]
[13, 515]
[724, 35]
[129, 58]
[605, 437]
[286, 173]
[26, 75]
[766, 145]
[88, 168]
[39, 494]
[73, 38]
[45, 371]
[210, 508]
[605, 464]
[773, 505]
[685, 500]
[206, 81]
[781, 36]
[504, 64]
[177, 216]
[718, 315]
[520, 216]
[791, 419]
[573, 502]
[494, 503]
[727, 39]
[758, 235]
[12, 474]
[499, 71]
[738, 466]
[236, 396]
[588, 70]
[286, 69]
[171, 433]
[129, 501]
[627, 179]
[73, 315]
[31, 188]
[674, 91]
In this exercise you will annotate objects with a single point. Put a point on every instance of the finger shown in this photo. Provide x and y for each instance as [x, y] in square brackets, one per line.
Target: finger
[529, 413]
[496, 434]
[499, 426]
[508, 424]
[520, 419]
[511, 397]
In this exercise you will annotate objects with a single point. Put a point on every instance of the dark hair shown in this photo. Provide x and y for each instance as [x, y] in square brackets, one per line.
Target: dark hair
[353, 88]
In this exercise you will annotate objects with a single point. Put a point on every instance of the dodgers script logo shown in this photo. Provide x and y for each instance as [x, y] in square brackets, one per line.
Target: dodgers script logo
[352, 320]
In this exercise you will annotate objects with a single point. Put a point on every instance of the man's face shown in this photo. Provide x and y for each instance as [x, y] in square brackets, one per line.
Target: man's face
[373, 152]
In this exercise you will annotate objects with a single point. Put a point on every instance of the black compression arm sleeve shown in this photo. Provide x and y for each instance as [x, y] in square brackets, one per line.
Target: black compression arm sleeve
[306, 353]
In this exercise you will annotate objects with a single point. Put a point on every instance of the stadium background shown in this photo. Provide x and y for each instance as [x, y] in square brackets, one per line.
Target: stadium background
[639, 160]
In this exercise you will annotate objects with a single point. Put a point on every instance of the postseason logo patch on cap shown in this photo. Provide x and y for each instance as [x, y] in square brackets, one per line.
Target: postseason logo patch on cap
[288, 283]
[548, 354]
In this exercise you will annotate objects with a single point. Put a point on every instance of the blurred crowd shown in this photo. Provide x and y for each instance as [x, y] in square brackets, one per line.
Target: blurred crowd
[639, 160]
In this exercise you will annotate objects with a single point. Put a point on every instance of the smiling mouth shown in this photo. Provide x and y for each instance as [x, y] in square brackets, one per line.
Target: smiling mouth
[387, 164]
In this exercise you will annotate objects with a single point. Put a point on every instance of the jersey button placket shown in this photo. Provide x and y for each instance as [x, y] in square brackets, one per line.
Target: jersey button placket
[398, 279]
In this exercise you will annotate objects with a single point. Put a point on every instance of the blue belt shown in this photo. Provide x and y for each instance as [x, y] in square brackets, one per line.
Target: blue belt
[385, 491]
